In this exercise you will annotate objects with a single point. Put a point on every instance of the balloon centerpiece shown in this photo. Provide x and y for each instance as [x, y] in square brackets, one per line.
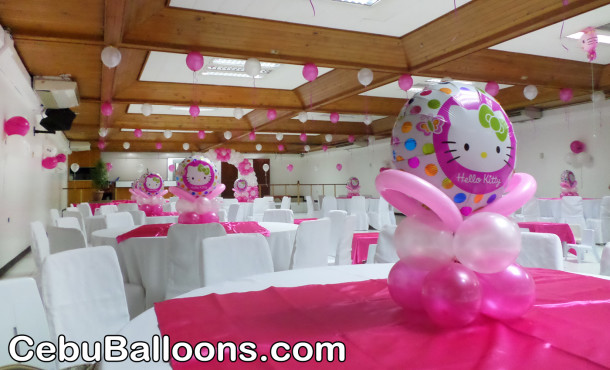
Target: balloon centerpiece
[454, 151]
[148, 193]
[353, 187]
[241, 191]
[198, 185]
[569, 185]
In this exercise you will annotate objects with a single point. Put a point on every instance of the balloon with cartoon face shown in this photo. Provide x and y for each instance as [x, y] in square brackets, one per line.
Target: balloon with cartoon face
[459, 139]
[151, 183]
[197, 175]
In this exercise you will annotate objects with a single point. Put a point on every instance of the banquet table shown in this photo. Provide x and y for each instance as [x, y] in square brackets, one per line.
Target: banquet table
[341, 303]
[94, 223]
[108, 237]
[563, 231]
[343, 203]
[360, 246]
[551, 207]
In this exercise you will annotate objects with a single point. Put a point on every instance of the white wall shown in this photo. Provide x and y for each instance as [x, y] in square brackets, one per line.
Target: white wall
[27, 191]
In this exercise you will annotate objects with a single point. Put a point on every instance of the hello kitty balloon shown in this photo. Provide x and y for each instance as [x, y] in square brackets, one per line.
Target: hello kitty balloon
[151, 183]
[197, 175]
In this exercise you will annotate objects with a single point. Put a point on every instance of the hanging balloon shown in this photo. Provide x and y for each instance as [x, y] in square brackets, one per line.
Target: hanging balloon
[328, 138]
[310, 72]
[172, 167]
[303, 137]
[185, 146]
[228, 135]
[194, 61]
[252, 67]
[492, 88]
[101, 145]
[167, 134]
[108, 166]
[588, 41]
[147, 109]
[279, 136]
[265, 167]
[126, 145]
[103, 131]
[137, 132]
[351, 138]
[238, 113]
[201, 134]
[365, 76]
[61, 157]
[49, 163]
[290, 167]
[158, 146]
[111, 56]
[334, 117]
[577, 146]
[106, 109]
[252, 136]
[303, 117]
[307, 148]
[339, 166]
[194, 111]
[271, 114]
[598, 96]
[74, 167]
[405, 82]
[259, 147]
[16, 126]
[324, 147]
[566, 94]
[530, 92]
[371, 140]
[280, 147]
[367, 120]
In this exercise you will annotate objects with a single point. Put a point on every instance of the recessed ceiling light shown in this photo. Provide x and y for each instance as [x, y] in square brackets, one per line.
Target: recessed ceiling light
[360, 2]
[604, 39]
[152, 130]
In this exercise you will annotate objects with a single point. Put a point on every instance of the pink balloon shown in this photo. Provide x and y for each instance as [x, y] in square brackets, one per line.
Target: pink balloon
[487, 242]
[406, 279]
[280, 147]
[334, 117]
[252, 135]
[101, 145]
[137, 132]
[507, 294]
[310, 72]
[339, 166]
[324, 147]
[156, 210]
[194, 61]
[194, 111]
[424, 237]
[16, 126]
[405, 82]
[492, 88]
[303, 137]
[577, 146]
[108, 166]
[106, 109]
[158, 145]
[351, 138]
[452, 295]
[61, 157]
[188, 218]
[201, 134]
[172, 167]
[208, 217]
[290, 168]
[519, 190]
[49, 163]
[271, 114]
[566, 94]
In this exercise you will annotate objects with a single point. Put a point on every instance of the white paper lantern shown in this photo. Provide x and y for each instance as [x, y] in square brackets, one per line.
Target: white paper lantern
[228, 135]
[259, 147]
[279, 136]
[74, 167]
[185, 146]
[167, 134]
[328, 137]
[126, 145]
[303, 117]
[367, 120]
[146, 109]
[530, 92]
[103, 131]
[307, 148]
[252, 67]
[111, 56]
[238, 113]
[365, 76]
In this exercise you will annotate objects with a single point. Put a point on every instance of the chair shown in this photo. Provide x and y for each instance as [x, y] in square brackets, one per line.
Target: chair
[84, 209]
[311, 244]
[540, 250]
[62, 239]
[572, 211]
[226, 202]
[126, 207]
[586, 245]
[54, 216]
[386, 251]
[235, 213]
[234, 256]
[311, 208]
[337, 222]
[343, 255]
[40, 244]
[285, 203]
[160, 220]
[258, 208]
[118, 219]
[604, 263]
[107, 209]
[357, 206]
[278, 215]
[222, 215]
[530, 211]
[83, 295]
[70, 222]
[601, 225]
[22, 313]
[184, 256]
[328, 204]
[380, 215]
[79, 216]
[139, 217]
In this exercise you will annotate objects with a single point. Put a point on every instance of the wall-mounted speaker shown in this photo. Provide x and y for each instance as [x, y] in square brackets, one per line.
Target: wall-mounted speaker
[58, 119]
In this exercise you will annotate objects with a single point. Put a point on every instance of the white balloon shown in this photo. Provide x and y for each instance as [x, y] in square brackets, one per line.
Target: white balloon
[328, 137]
[367, 120]
[259, 147]
[167, 134]
[365, 76]
[103, 131]
[307, 148]
[126, 145]
[303, 117]
[185, 146]
[111, 56]
[238, 113]
[265, 167]
[49, 150]
[598, 96]
[74, 167]
[252, 67]
[147, 109]
[371, 140]
[61, 167]
[530, 92]
[228, 135]
[279, 136]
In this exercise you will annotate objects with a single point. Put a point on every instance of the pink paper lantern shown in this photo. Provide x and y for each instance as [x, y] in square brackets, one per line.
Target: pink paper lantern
[158, 146]
[61, 157]
[106, 109]
[324, 147]
[310, 72]
[101, 145]
[137, 132]
[566, 94]
[201, 134]
[492, 88]
[271, 114]
[334, 117]
[252, 136]
[194, 61]
[351, 138]
[280, 147]
[290, 167]
[16, 126]
[194, 111]
[405, 82]
[303, 137]
[49, 163]
[339, 166]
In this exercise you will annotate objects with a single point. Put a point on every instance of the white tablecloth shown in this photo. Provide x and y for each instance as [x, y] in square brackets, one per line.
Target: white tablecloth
[552, 208]
[144, 327]
[161, 220]
[108, 237]
[343, 203]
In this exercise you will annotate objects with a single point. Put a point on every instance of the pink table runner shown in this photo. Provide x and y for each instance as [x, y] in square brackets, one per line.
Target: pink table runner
[299, 220]
[360, 246]
[563, 231]
[158, 230]
[564, 329]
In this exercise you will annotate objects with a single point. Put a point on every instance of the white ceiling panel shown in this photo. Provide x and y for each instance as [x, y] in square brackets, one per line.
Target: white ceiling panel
[184, 111]
[318, 116]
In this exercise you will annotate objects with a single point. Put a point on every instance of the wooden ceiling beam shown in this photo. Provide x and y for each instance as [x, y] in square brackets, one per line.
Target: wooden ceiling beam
[512, 98]
[363, 104]
[321, 127]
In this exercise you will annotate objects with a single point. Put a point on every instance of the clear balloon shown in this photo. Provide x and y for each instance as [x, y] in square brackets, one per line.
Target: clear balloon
[167, 134]
[507, 294]
[140, 168]
[126, 145]
[111, 56]
[74, 167]
[371, 140]
[228, 135]
[406, 279]
[252, 67]
[424, 237]
[302, 117]
[530, 92]
[16, 126]
[147, 109]
[570, 158]
[365, 76]
[238, 113]
[405, 82]
[194, 61]
[487, 242]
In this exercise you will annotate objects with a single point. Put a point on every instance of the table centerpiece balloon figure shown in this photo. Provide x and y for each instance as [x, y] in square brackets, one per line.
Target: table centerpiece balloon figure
[148, 193]
[353, 187]
[569, 185]
[198, 186]
[454, 151]
[240, 190]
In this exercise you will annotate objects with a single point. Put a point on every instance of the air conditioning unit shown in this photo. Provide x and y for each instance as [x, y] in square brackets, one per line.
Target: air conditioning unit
[80, 146]
[527, 114]
[56, 92]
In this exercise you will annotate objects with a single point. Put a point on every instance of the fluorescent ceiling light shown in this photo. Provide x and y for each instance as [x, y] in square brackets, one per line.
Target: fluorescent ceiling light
[151, 130]
[227, 67]
[604, 39]
[360, 2]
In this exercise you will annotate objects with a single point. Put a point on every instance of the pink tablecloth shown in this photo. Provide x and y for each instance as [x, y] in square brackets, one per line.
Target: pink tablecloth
[360, 246]
[299, 220]
[564, 329]
[563, 231]
[158, 230]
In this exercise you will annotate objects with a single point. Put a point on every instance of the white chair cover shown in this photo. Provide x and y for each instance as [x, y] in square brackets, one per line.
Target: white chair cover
[586, 245]
[540, 250]
[531, 211]
[344, 248]
[22, 312]
[83, 295]
[337, 223]
[222, 215]
[63, 239]
[236, 213]
[386, 251]
[234, 256]
[139, 217]
[84, 209]
[278, 215]
[259, 206]
[226, 202]
[380, 216]
[601, 225]
[357, 206]
[311, 208]
[118, 219]
[54, 216]
[126, 207]
[107, 209]
[160, 220]
[70, 222]
[184, 256]
[328, 204]
[604, 263]
[572, 211]
[40, 243]
[311, 244]
[79, 216]
[285, 203]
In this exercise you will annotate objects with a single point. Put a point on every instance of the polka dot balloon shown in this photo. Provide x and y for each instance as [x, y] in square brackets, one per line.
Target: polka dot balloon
[197, 175]
[150, 183]
[459, 139]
